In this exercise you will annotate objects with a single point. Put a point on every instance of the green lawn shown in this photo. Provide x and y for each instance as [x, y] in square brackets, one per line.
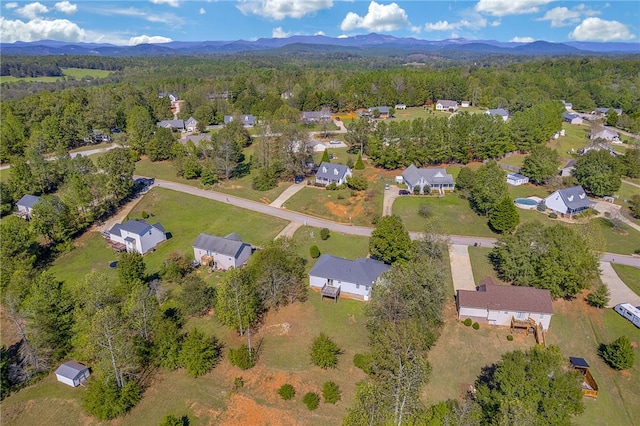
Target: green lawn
[515, 160]
[184, 217]
[161, 170]
[76, 73]
[347, 246]
[624, 242]
[480, 264]
[575, 138]
[630, 276]
[337, 205]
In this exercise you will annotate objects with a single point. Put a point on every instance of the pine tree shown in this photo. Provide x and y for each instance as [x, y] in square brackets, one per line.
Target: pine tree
[504, 217]
[359, 163]
[325, 157]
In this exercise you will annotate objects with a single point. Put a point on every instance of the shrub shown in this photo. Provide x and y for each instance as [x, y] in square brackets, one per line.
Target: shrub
[350, 163]
[467, 322]
[144, 214]
[314, 251]
[242, 358]
[553, 216]
[599, 297]
[325, 234]
[619, 354]
[416, 190]
[286, 391]
[476, 326]
[311, 400]
[424, 210]
[510, 337]
[357, 183]
[324, 352]
[331, 392]
[107, 401]
[238, 383]
[171, 420]
[331, 187]
[363, 362]
[340, 197]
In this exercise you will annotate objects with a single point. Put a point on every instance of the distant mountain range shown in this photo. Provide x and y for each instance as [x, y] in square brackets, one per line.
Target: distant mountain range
[361, 44]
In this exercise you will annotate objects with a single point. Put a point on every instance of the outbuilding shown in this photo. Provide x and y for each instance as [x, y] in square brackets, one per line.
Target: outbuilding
[72, 373]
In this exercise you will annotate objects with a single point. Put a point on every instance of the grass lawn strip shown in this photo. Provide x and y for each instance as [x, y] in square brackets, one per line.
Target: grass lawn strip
[630, 276]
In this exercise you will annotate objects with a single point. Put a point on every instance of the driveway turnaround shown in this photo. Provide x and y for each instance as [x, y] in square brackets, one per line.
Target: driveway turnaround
[620, 293]
[288, 193]
[461, 268]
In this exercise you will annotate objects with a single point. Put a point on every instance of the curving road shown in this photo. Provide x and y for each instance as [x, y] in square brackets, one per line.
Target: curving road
[347, 229]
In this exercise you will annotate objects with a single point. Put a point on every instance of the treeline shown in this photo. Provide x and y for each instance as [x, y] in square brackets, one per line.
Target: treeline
[43, 66]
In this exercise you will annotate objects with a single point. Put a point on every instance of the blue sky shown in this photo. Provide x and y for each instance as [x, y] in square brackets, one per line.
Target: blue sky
[157, 21]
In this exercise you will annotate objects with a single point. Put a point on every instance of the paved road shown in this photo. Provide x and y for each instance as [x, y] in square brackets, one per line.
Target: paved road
[630, 183]
[461, 271]
[620, 293]
[288, 193]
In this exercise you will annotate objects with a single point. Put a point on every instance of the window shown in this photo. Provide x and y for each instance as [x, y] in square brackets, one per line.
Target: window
[520, 315]
[357, 286]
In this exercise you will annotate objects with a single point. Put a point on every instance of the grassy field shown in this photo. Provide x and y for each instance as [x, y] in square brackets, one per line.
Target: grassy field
[75, 73]
[629, 275]
[480, 264]
[515, 160]
[577, 328]
[339, 205]
[184, 217]
[575, 138]
[347, 246]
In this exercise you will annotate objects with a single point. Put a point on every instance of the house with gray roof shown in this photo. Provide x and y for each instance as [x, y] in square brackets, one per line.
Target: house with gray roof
[221, 252]
[605, 111]
[72, 373]
[310, 117]
[446, 105]
[606, 134]
[498, 112]
[248, 120]
[174, 125]
[191, 124]
[567, 105]
[136, 236]
[567, 170]
[572, 118]
[383, 111]
[332, 173]
[500, 304]
[352, 277]
[428, 180]
[568, 201]
[25, 205]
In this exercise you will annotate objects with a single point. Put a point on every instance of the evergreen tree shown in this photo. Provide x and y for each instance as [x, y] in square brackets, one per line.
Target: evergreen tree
[541, 164]
[504, 217]
[199, 353]
[324, 352]
[390, 241]
[599, 173]
[325, 157]
[489, 188]
[131, 268]
[359, 163]
[619, 354]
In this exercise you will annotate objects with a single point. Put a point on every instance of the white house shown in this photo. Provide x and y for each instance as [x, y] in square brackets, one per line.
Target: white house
[136, 235]
[516, 179]
[572, 118]
[567, 105]
[568, 168]
[428, 180]
[25, 205]
[446, 105]
[309, 117]
[191, 124]
[221, 252]
[568, 201]
[174, 125]
[72, 373]
[498, 112]
[352, 277]
[498, 304]
[400, 107]
[464, 104]
[332, 173]
[606, 134]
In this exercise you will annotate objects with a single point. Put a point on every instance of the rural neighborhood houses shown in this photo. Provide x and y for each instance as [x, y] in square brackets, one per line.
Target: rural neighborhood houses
[464, 104]
[380, 111]
[25, 205]
[221, 253]
[173, 125]
[516, 179]
[567, 105]
[572, 118]
[332, 173]
[605, 111]
[568, 168]
[498, 112]
[135, 236]
[72, 373]
[427, 180]
[500, 304]
[336, 275]
[248, 120]
[310, 117]
[446, 105]
[606, 134]
[568, 201]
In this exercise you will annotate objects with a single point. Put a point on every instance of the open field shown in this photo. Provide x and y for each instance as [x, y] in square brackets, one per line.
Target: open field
[75, 73]
[514, 160]
[575, 137]
[629, 275]
[577, 328]
[339, 205]
[347, 246]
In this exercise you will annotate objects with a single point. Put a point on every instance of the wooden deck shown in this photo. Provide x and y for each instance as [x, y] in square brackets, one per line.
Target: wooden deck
[530, 325]
[330, 291]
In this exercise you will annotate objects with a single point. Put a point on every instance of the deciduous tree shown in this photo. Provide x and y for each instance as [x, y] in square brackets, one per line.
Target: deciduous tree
[390, 240]
[541, 164]
[489, 188]
[599, 173]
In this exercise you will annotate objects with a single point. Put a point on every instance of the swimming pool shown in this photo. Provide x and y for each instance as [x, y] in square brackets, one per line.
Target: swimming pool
[526, 203]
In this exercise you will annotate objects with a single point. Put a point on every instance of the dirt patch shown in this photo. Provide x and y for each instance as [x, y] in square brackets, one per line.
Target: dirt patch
[245, 411]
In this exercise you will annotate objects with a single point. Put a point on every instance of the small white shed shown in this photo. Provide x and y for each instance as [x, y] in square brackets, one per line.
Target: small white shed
[72, 373]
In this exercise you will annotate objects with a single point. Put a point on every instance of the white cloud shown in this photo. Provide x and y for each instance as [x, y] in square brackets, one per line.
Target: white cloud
[66, 7]
[162, 18]
[202, 11]
[172, 3]
[40, 29]
[319, 33]
[495, 23]
[145, 39]
[450, 26]
[278, 32]
[561, 16]
[32, 10]
[509, 7]
[281, 9]
[596, 29]
[11, 5]
[379, 18]
[523, 39]
[343, 36]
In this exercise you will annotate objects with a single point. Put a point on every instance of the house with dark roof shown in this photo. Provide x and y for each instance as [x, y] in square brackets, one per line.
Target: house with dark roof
[500, 304]
[332, 173]
[352, 277]
[605, 111]
[568, 201]
[221, 252]
[428, 179]
[380, 111]
[311, 117]
[25, 205]
[567, 170]
[572, 118]
[516, 179]
[248, 120]
[498, 112]
[446, 105]
[72, 373]
[136, 236]
[173, 125]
